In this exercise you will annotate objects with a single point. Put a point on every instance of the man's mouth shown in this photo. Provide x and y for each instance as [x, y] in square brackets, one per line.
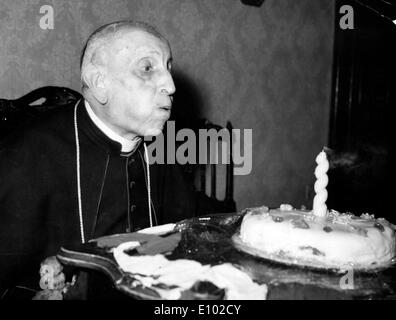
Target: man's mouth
[166, 108]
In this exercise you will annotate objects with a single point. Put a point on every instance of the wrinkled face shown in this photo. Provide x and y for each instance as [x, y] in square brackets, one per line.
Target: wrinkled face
[139, 84]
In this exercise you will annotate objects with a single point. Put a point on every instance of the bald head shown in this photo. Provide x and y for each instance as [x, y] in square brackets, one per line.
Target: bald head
[100, 41]
[127, 80]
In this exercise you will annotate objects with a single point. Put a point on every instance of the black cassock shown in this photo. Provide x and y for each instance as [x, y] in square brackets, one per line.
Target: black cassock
[39, 199]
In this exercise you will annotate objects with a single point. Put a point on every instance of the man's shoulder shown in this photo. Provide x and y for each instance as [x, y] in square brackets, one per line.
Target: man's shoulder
[52, 125]
[53, 121]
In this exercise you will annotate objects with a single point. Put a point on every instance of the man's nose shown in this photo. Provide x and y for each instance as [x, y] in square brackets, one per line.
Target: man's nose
[167, 84]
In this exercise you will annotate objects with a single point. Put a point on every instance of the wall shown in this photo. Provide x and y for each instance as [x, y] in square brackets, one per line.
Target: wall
[267, 69]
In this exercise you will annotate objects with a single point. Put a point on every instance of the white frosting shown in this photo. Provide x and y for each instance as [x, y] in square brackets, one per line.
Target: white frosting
[181, 274]
[334, 241]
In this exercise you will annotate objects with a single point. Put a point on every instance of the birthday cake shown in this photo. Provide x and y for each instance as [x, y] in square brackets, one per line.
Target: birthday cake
[335, 241]
[318, 238]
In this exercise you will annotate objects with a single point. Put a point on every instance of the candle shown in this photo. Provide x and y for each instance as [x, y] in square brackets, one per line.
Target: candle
[319, 202]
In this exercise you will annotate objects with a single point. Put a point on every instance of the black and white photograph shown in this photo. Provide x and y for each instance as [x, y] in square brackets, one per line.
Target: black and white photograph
[197, 154]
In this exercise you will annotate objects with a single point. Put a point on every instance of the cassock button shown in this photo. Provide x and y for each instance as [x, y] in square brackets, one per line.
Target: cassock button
[131, 184]
[133, 207]
[131, 160]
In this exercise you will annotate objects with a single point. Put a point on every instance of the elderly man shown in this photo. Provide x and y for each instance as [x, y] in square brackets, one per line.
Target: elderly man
[83, 172]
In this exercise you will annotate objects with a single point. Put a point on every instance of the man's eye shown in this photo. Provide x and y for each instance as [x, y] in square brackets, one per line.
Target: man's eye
[147, 68]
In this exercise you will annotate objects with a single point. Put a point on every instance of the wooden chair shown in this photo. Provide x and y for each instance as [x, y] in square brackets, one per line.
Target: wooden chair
[207, 201]
[16, 112]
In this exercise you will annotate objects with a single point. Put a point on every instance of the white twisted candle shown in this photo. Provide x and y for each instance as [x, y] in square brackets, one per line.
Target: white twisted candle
[319, 202]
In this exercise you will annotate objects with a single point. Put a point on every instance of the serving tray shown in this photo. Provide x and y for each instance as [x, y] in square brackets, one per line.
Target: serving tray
[211, 240]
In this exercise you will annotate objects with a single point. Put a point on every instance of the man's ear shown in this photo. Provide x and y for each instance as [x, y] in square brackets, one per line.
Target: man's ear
[96, 80]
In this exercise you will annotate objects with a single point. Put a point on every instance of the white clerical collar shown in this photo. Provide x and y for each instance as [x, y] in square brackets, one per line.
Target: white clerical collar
[126, 145]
